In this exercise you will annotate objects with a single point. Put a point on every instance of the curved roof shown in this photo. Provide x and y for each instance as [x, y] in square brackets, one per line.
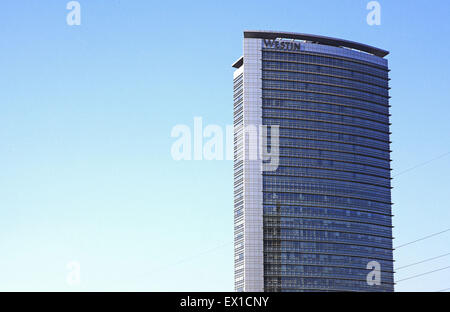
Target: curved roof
[318, 39]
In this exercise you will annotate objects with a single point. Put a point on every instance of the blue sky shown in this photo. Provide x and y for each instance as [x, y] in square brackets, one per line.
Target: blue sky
[86, 172]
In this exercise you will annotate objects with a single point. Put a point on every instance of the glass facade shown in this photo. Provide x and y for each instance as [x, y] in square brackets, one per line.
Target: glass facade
[326, 210]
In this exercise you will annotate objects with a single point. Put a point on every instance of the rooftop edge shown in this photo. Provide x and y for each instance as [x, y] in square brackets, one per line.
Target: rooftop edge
[238, 63]
[315, 38]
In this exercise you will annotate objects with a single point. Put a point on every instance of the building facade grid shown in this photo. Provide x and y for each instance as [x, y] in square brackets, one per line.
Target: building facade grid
[317, 221]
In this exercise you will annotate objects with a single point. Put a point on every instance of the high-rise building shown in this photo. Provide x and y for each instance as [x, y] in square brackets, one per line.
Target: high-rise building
[319, 218]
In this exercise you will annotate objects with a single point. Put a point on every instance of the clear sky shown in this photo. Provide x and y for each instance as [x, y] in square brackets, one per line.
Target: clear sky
[86, 113]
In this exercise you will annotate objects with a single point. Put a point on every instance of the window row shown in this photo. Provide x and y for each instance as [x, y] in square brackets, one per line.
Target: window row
[325, 200]
[320, 78]
[327, 70]
[326, 247]
[332, 108]
[324, 60]
[326, 224]
[335, 146]
[333, 155]
[314, 87]
[324, 98]
[317, 258]
[276, 209]
[333, 136]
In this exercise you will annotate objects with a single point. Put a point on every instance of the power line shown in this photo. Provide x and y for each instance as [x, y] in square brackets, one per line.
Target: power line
[442, 290]
[426, 273]
[423, 261]
[186, 259]
[423, 238]
[201, 253]
[421, 164]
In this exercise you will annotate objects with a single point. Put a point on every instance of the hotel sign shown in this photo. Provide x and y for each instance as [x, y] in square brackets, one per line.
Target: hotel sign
[281, 45]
